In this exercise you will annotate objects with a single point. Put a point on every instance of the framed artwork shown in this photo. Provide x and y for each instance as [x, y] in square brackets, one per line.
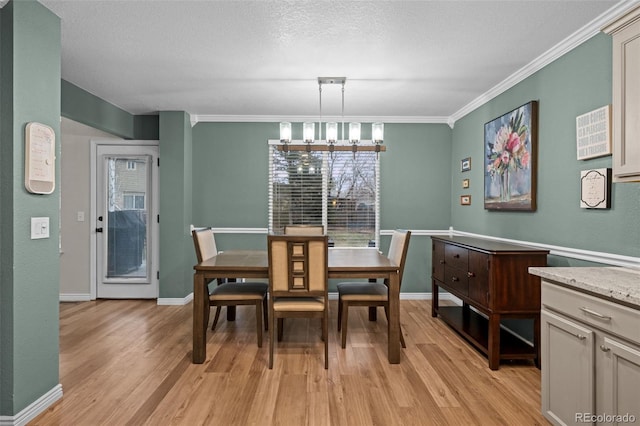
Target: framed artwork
[593, 133]
[465, 200]
[595, 189]
[465, 183]
[465, 164]
[510, 148]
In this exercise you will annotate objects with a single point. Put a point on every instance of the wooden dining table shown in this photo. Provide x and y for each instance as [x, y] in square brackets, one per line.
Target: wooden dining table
[343, 263]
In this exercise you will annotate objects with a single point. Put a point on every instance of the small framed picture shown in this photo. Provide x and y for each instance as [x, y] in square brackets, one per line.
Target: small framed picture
[465, 164]
[465, 183]
[465, 200]
[595, 189]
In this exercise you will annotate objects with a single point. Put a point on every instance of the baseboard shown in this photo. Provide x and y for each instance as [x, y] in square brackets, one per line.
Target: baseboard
[34, 409]
[175, 301]
[75, 297]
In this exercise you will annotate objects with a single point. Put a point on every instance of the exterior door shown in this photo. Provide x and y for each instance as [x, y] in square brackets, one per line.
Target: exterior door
[126, 221]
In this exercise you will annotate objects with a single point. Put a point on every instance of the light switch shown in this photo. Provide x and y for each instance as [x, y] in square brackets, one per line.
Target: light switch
[39, 227]
[80, 216]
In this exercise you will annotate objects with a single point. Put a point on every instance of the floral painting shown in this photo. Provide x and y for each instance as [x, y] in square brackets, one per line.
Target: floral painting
[510, 153]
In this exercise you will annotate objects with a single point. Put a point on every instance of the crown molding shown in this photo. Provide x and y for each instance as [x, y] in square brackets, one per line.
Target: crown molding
[574, 40]
[212, 118]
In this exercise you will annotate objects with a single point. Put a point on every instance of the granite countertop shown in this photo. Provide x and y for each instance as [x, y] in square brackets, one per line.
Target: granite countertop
[613, 283]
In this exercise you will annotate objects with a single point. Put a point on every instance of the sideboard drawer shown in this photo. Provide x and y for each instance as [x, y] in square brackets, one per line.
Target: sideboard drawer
[456, 257]
[456, 280]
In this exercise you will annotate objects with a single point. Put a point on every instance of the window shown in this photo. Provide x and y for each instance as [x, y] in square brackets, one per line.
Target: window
[133, 201]
[336, 190]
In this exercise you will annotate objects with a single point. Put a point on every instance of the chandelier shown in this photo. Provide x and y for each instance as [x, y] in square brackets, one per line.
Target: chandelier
[331, 142]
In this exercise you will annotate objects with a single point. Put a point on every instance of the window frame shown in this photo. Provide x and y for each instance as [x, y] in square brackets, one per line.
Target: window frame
[273, 146]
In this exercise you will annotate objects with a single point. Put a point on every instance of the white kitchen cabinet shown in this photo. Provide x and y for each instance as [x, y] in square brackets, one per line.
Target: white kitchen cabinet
[590, 359]
[625, 33]
[618, 364]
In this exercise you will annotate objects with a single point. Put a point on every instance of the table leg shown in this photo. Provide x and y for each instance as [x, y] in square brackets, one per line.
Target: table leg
[493, 351]
[394, 319]
[373, 310]
[231, 310]
[199, 326]
[231, 313]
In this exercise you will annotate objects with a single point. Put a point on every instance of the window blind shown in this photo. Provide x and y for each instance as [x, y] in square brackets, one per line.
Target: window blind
[337, 190]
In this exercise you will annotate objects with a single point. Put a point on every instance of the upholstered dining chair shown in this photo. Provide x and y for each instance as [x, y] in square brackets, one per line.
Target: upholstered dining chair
[298, 276]
[303, 230]
[231, 293]
[372, 294]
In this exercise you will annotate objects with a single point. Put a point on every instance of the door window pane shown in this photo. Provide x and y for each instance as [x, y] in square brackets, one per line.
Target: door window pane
[127, 217]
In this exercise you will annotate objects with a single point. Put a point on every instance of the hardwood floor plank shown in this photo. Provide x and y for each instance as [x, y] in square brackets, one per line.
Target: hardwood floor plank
[128, 362]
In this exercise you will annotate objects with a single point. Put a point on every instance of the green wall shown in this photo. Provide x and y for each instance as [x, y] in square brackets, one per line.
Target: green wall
[83, 107]
[232, 158]
[176, 245]
[576, 83]
[30, 91]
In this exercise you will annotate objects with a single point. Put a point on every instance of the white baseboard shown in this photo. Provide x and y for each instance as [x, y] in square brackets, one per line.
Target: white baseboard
[75, 297]
[34, 409]
[175, 301]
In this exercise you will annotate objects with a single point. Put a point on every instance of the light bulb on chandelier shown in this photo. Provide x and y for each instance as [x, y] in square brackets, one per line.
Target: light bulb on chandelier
[332, 142]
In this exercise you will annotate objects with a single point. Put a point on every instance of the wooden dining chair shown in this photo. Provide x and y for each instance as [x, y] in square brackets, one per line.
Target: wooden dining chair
[298, 276]
[230, 293]
[303, 230]
[372, 294]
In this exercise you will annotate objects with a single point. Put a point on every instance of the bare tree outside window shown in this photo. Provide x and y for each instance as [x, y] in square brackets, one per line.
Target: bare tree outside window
[336, 190]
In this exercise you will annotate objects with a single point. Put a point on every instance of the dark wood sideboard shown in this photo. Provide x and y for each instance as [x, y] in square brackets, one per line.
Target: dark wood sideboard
[493, 278]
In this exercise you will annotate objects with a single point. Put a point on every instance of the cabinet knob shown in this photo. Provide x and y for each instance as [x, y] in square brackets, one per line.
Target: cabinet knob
[442, 262]
[603, 348]
[471, 274]
[457, 256]
[454, 279]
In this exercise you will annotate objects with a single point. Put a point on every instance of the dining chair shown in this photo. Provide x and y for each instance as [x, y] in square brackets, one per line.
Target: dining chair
[304, 230]
[299, 230]
[298, 276]
[230, 293]
[372, 294]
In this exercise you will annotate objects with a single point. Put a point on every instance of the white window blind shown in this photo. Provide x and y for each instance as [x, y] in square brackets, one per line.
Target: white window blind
[336, 190]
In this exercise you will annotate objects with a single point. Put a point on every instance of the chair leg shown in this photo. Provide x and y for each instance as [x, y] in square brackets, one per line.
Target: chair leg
[265, 312]
[345, 320]
[259, 322]
[206, 317]
[339, 313]
[386, 312]
[325, 333]
[215, 318]
[271, 339]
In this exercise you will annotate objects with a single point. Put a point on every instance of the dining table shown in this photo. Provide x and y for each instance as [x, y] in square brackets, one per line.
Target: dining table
[343, 263]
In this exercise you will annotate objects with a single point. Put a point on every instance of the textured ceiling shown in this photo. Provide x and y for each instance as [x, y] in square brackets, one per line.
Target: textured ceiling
[403, 60]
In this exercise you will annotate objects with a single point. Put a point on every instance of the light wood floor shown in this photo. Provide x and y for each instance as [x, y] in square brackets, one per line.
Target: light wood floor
[129, 363]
